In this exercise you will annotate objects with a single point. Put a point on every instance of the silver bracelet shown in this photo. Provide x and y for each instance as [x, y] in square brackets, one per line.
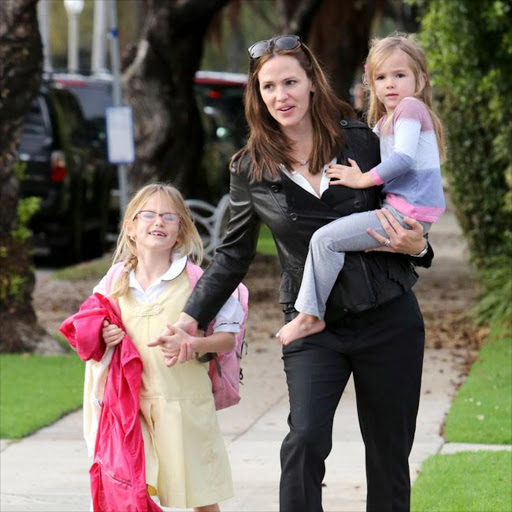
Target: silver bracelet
[422, 252]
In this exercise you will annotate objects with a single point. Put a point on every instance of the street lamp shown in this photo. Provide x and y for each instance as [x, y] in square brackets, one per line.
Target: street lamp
[73, 8]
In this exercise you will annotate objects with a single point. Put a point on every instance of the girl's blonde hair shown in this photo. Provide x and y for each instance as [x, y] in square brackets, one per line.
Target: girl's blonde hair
[380, 50]
[188, 242]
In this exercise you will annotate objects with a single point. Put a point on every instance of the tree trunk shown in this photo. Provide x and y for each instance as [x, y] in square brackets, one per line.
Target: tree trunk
[20, 73]
[336, 31]
[339, 37]
[158, 84]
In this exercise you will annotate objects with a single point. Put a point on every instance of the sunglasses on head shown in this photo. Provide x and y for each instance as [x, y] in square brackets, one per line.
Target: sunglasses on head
[281, 42]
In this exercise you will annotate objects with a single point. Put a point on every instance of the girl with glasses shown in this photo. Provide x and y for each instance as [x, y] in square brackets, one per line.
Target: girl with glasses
[374, 328]
[184, 458]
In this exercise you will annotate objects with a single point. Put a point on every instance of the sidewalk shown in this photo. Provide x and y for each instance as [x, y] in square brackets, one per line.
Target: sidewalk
[48, 471]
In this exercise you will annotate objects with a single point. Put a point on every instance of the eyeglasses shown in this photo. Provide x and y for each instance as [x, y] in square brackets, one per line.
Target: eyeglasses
[150, 216]
[282, 42]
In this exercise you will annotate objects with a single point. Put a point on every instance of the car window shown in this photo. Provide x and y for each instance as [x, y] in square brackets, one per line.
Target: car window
[35, 119]
[94, 99]
[74, 119]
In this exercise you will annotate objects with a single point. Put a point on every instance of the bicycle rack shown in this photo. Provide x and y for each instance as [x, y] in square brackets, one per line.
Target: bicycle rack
[209, 220]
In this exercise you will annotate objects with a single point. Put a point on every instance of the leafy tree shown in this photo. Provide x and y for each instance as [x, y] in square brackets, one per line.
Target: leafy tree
[20, 72]
[469, 46]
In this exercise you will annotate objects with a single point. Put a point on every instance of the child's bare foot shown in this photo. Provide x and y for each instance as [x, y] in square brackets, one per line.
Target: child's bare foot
[302, 325]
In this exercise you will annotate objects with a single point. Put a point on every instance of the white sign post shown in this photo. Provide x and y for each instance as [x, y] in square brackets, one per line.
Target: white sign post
[120, 142]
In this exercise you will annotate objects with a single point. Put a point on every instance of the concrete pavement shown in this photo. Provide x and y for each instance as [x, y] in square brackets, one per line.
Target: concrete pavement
[48, 471]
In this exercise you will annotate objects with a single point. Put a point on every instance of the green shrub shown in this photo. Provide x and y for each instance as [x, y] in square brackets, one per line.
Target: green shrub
[469, 49]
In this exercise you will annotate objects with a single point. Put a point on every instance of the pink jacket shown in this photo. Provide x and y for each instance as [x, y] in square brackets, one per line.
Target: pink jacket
[118, 476]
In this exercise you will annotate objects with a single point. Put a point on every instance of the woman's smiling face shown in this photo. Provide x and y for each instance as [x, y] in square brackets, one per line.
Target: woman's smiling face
[286, 91]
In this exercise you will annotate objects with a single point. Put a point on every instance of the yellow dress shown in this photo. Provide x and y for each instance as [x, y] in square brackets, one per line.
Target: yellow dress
[186, 458]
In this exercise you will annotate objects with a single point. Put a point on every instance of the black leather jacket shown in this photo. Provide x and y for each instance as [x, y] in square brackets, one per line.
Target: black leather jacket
[293, 214]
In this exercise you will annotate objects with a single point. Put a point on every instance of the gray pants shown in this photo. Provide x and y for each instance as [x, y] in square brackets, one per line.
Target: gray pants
[326, 255]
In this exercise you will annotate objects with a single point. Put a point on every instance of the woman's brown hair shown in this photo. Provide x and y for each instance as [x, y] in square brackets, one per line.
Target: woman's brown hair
[268, 145]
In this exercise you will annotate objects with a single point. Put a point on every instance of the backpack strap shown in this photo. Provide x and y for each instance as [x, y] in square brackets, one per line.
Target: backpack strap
[194, 272]
[113, 273]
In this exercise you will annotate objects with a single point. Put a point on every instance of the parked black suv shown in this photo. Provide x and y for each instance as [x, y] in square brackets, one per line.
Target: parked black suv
[67, 170]
[220, 99]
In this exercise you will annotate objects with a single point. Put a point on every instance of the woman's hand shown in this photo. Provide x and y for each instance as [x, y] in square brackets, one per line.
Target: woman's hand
[400, 239]
[112, 334]
[175, 345]
[187, 323]
[351, 177]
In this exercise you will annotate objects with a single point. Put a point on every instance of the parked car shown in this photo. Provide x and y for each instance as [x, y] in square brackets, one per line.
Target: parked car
[225, 93]
[216, 89]
[67, 170]
[94, 93]
[220, 100]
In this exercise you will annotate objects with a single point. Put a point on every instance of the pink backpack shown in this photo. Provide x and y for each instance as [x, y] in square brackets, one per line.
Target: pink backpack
[224, 371]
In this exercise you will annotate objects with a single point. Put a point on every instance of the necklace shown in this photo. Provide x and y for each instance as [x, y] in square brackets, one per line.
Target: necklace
[304, 162]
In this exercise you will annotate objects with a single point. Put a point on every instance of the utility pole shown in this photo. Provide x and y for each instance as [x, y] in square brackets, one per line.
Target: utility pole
[73, 8]
[43, 19]
[116, 90]
[98, 55]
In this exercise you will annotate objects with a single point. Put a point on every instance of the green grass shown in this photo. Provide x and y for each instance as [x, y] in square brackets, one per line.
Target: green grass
[266, 243]
[482, 409]
[464, 482]
[37, 390]
[88, 270]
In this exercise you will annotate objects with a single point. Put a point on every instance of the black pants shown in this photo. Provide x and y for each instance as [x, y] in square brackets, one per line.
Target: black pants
[383, 349]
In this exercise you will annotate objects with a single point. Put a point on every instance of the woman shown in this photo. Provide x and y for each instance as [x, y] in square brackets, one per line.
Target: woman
[374, 326]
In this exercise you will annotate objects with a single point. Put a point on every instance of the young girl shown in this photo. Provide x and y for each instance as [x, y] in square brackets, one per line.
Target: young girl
[412, 147]
[186, 463]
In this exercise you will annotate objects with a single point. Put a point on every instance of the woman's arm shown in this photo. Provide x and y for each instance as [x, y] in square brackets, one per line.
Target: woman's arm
[232, 258]
[176, 342]
[402, 240]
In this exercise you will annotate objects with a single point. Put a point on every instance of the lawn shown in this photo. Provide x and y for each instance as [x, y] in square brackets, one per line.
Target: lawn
[482, 409]
[479, 481]
[464, 482]
[94, 269]
[37, 390]
[266, 243]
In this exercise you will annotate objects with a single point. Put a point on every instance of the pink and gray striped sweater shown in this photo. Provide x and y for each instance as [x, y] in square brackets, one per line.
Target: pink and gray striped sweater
[410, 169]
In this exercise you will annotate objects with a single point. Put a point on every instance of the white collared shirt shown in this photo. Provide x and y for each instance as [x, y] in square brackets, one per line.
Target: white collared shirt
[228, 318]
[304, 183]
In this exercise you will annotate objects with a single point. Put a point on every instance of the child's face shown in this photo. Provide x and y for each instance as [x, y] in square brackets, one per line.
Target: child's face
[160, 233]
[394, 80]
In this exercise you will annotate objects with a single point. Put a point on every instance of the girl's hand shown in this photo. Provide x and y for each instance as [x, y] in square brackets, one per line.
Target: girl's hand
[175, 345]
[400, 239]
[351, 177]
[112, 334]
